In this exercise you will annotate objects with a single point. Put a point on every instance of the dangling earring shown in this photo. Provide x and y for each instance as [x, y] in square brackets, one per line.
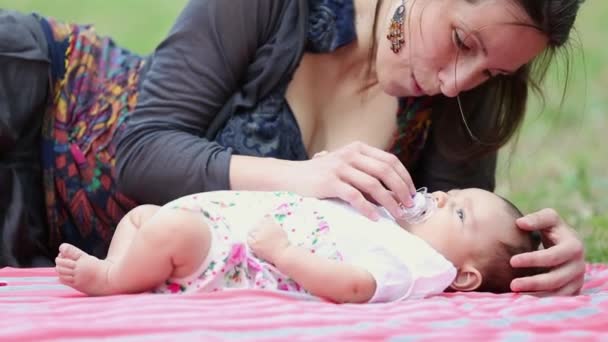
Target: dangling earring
[395, 31]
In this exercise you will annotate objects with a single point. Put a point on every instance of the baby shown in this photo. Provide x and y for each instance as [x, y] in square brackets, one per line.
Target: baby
[281, 241]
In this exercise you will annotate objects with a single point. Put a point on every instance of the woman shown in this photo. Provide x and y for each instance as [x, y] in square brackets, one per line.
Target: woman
[241, 93]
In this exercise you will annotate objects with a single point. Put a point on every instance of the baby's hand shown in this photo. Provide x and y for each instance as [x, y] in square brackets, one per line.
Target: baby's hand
[267, 239]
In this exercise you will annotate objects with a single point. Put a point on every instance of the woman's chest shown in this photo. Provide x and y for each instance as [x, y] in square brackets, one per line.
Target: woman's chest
[318, 111]
[332, 111]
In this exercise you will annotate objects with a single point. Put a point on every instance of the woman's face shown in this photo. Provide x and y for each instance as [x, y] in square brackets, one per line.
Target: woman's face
[455, 45]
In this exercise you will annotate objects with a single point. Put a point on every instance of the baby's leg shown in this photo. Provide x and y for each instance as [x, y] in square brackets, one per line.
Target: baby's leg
[123, 236]
[172, 243]
[127, 228]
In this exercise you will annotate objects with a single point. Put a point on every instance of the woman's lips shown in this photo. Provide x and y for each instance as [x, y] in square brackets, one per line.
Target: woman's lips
[417, 88]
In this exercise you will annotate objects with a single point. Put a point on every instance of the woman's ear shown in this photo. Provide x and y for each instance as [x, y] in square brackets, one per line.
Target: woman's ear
[468, 279]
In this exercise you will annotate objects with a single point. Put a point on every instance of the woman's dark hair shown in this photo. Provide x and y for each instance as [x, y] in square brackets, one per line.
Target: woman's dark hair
[494, 110]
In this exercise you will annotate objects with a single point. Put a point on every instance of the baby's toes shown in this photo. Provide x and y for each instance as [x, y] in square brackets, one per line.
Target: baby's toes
[65, 267]
[71, 252]
[66, 279]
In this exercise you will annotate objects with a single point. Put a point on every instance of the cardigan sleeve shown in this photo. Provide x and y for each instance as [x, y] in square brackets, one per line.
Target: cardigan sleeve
[213, 47]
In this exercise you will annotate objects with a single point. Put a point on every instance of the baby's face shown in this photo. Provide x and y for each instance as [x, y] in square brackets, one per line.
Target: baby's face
[466, 224]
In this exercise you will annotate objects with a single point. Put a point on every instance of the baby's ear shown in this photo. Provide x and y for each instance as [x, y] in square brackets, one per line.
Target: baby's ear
[468, 279]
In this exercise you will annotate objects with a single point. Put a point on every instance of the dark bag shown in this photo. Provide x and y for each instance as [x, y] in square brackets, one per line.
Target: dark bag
[24, 85]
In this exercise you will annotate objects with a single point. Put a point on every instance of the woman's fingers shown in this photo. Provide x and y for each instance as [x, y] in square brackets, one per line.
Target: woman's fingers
[561, 242]
[566, 279]
[319, 154]
[392, 161]
[550, 257]
[370, 185]
[542, 219]
[571, 289]
[564, 256]
[383, 166]
[387, 177]
[355, 198]
[358, 172]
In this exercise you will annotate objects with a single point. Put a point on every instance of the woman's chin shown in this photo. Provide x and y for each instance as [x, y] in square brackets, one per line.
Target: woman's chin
[394, 89]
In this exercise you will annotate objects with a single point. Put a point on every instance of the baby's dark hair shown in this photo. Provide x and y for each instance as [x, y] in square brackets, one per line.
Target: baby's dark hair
[496, 270]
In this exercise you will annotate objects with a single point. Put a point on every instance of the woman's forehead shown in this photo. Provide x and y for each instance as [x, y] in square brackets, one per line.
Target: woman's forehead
[505, 32]
[505, 10]
[481, 14]
[509, 46]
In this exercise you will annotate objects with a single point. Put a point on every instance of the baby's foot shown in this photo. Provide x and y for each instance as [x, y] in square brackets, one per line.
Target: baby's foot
[82, 271]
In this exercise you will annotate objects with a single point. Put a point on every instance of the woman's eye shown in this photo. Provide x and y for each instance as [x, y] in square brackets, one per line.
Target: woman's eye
[460, 214]
[458, 41]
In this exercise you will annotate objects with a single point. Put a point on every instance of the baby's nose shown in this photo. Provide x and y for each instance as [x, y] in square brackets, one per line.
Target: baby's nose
[441, 198]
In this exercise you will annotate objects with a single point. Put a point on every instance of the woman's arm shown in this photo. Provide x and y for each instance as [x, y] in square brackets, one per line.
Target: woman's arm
[201, 66]
[329, 279]
[354, 173]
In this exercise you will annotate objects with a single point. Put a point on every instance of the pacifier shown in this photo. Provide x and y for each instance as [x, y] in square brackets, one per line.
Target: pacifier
[424, 205]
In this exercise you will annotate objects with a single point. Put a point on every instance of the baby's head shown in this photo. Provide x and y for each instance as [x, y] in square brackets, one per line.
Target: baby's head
[475, 230]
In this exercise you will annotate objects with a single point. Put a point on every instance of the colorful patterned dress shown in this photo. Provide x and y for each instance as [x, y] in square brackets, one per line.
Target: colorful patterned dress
[230, 264]
[95, 88]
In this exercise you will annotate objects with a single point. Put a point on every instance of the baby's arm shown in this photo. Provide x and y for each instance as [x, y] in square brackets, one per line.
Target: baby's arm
[322, 277]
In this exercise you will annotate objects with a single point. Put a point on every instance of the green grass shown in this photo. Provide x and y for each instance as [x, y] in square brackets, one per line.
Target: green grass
[560, 161]
[136, 24]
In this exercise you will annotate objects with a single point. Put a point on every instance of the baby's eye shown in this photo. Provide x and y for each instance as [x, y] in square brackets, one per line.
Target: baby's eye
[460, 214]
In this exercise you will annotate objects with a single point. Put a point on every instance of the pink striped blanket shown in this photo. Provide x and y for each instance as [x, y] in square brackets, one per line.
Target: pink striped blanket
[35, 307]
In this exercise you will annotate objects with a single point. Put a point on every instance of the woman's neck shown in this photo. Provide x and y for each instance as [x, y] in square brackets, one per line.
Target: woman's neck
[357, 58]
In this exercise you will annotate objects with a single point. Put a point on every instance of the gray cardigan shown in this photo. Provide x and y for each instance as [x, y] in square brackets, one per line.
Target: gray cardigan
[219, 55]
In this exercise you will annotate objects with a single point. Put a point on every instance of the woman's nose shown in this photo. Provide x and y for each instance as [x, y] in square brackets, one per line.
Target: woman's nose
[460, 76]
[441, 198]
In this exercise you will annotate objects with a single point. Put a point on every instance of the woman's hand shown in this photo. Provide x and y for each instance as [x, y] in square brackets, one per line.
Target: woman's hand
[564, 255]
[358, 174]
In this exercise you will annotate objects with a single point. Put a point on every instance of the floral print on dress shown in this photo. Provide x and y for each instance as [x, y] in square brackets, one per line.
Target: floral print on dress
[236, 264]
[231, 263]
